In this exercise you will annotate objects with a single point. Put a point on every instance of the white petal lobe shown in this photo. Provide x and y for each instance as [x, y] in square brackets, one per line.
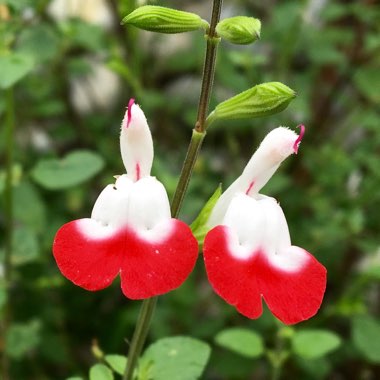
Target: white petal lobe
[149, 204]
[111, 207]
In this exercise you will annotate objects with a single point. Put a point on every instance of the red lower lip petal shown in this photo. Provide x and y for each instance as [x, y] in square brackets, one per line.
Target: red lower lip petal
[292, 296]
[147, 268]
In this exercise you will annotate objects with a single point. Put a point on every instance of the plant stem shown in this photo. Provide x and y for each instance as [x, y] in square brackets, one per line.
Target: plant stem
[139, 336]
[199, 131]
[148, 305]
[209, 67]
[187, 169]
[8, 212]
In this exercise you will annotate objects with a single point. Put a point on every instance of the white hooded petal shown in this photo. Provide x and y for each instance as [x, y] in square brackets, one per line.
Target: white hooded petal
[275, 148]
[111, 207]
[149, 207]
[136, 143]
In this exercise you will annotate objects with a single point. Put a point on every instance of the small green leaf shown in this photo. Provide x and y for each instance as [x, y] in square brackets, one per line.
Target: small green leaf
[240, 30]
[366, 337]
[176, 358]
[241, 341]
[75, 168]
[22, 338]
[116, 362]
[100, 372]
[13, 68]
[313, 344]
[199, 226]
[74, 378]
[164, 20]
[262, 100]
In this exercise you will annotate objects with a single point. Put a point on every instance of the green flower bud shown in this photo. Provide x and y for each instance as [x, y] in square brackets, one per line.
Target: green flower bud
[262, 100]
[164, 20]
[240, 30]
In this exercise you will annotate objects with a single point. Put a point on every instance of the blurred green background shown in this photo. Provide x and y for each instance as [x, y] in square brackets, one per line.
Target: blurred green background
[79, 68]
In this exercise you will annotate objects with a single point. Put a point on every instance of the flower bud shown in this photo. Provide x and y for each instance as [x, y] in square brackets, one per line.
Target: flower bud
[164, 20]
[262, 100]
[240, 30]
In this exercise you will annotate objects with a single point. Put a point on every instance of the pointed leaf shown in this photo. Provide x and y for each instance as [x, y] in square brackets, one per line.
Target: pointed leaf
[13, 68]
[199, 226]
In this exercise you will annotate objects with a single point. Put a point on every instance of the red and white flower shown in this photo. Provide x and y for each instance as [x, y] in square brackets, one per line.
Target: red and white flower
[249, 255]
[130, 231]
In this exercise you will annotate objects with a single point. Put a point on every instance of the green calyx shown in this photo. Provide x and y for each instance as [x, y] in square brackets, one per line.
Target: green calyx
[262, 100]
[239, 30]
[164, 20]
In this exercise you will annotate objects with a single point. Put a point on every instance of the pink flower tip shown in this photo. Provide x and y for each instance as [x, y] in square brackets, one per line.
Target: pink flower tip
[129, 114]
[299, 139]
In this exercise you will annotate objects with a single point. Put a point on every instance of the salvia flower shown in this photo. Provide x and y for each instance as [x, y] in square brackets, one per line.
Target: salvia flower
[248, 252]
[130, 231]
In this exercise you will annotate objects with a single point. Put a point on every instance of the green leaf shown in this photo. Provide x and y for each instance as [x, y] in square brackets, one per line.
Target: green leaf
[29, 207]
[241, 341]
[75, 378]
[164, 20]
[262, 100]
[366, 337]
[117, 363]
[25, 246]
[176, 358]
[22, 338]
[75, 168]
[39, 41]
[13, 68]
[100, 372]
[199, 226]
[240, 30]
[313, 344]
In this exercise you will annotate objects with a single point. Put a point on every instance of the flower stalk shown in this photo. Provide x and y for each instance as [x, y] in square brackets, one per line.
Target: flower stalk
[199, 132]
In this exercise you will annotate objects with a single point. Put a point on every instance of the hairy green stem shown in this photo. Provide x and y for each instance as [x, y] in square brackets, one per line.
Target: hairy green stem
[8, 212]
[148, 305]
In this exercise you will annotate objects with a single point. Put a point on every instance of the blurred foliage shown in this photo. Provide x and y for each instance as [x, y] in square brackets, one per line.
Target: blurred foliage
[72, 77]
